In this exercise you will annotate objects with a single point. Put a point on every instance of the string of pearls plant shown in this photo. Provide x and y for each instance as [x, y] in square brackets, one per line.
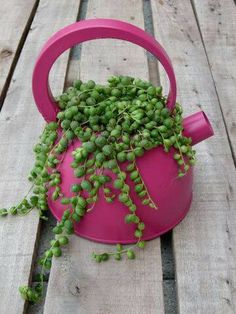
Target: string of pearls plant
[115, 123]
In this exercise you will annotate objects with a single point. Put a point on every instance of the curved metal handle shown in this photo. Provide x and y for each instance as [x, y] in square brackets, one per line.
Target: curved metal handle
[88, 30]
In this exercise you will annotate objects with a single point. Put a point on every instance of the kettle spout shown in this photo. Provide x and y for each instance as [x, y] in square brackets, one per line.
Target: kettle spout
[198, 127]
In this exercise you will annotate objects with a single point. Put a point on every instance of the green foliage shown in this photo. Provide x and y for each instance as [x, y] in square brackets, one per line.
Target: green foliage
[115, 123]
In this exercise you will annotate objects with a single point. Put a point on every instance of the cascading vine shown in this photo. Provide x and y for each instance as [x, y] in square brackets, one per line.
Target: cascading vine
[115, 123]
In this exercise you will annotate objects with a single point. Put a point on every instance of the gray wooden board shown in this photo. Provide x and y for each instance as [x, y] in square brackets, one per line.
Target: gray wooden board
[217, 21]
[20, 126]
[77, 284]
[204, 243]
[14, 16]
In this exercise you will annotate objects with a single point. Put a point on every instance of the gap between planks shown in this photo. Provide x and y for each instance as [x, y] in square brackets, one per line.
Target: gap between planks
[13, 45]
[204, 243]
[225, 95]
[168, 267]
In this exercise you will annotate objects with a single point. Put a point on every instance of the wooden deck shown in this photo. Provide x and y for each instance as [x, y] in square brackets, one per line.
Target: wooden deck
[193, 268]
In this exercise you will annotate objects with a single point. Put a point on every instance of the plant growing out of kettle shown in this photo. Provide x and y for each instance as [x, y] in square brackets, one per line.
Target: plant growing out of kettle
[116, 124]
[91, 160]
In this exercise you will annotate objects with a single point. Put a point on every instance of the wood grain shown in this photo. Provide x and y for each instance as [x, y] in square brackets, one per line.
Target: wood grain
[15, 17]
[20, 126]
[217, 21]
[204, 243]
[77, 284]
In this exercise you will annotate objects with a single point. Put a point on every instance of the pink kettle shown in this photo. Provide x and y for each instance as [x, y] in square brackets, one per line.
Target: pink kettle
[105, 222]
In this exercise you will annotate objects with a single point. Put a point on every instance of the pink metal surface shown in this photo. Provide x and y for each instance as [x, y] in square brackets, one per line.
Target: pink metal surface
[198, 127]
[105, 222]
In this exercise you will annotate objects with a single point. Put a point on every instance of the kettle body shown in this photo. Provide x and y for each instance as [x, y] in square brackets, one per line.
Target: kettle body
[105, 222]
[172, 195]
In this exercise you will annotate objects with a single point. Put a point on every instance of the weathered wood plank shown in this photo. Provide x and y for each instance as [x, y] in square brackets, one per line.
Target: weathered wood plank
[204, 243]
[20, 126]
[77, 284]
[14, 19]
[217, 21]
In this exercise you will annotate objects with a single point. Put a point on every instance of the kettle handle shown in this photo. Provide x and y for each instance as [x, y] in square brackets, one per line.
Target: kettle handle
[88, 30]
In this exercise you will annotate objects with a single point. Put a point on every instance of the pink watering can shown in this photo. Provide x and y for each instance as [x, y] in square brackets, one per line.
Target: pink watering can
[105, 222]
